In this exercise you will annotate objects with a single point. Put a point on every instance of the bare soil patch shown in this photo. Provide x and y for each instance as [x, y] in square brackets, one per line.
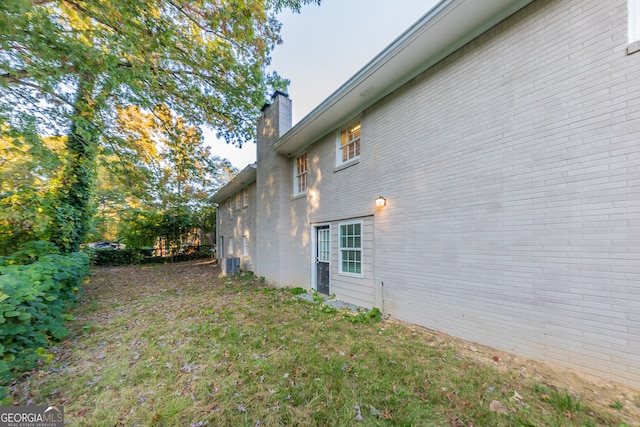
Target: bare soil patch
[597, 391]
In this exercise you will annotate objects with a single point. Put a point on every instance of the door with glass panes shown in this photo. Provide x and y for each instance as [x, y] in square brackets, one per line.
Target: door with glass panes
[323, 255]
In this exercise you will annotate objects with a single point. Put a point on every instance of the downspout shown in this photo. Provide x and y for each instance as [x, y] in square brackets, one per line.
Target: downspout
[217, 231]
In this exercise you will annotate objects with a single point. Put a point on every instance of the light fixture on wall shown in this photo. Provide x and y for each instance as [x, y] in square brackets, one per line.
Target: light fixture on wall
[381, 202]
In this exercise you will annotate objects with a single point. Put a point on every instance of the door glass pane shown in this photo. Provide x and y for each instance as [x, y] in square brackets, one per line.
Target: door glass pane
[323, 245]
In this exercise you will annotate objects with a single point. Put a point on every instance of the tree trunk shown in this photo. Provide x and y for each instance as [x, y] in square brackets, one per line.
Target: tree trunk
[73, 211]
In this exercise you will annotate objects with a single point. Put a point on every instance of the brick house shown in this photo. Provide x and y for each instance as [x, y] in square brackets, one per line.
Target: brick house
[504, 139]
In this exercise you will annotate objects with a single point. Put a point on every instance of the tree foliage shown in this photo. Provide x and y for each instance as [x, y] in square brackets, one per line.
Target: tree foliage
[204, 59]
[171, 166]
[162, 171]
[29, 178]
[70, 67]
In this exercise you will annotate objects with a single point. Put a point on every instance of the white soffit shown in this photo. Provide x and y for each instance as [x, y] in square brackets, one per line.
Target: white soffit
[237, 183]
[444, 29]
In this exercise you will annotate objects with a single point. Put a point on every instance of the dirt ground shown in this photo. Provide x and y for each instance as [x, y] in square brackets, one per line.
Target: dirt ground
[597, 391]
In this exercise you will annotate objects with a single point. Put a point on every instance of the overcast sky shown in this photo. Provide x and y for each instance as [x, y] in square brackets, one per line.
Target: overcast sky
[323, 47]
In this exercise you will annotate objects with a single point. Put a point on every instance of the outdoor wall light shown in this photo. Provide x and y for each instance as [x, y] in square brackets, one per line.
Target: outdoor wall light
[381, 202]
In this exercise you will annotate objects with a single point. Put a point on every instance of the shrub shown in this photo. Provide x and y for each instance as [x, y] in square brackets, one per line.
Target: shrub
[110, 257]
[29, 252]
[33, 299]
[117, 257]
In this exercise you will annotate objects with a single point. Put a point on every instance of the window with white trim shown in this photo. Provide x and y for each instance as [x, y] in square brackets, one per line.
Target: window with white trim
[634, 20]
[351, 248]
[230, 208]
[245, 246]
[300, 178]
[230, 245]
[245, 197]
[348, 144]
[238, 200]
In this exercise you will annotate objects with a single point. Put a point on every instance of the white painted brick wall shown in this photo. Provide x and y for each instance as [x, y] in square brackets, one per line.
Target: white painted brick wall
[511, 171]
[241, 223]
[514, 218]
[272, 192]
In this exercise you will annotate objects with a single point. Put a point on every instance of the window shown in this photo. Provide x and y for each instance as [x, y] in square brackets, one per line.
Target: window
[245, 246]
[349, 144]
[633, 29]
[351, 248]
[230, 245]
[245, 197]
[634, 20]
[324, 244]
[230, 208]
[238, 200]
[302, 166]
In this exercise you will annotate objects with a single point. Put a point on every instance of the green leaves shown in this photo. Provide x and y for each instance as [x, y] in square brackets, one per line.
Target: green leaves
[28, 180]
[206, 60]
[11, 314]
[33, 299]
[70, 67]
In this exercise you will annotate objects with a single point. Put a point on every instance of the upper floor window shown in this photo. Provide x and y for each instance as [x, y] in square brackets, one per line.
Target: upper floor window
[238, 200]
[245, 197]
[230, 208]
[349, 144]
[634, 24]
[300, 178]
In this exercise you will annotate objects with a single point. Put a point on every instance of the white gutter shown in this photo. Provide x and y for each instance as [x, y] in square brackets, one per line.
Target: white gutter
[441, 31]
[241, 180]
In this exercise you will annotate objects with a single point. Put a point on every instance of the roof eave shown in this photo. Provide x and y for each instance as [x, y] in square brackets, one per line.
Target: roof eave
[237, 183]
[444, 29]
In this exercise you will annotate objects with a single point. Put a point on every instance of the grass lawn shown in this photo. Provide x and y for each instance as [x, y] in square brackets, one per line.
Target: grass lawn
[174, 345]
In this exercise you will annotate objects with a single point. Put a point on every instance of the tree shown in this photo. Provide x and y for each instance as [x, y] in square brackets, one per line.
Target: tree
[162, 168]
[29, 176]
[70, 65]
[169, 156]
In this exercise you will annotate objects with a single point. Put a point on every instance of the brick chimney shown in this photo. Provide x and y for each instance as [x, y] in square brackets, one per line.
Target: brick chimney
[274, 186]
[275, 122]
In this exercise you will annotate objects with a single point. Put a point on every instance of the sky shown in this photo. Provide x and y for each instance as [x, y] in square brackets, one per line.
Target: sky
[323, 46]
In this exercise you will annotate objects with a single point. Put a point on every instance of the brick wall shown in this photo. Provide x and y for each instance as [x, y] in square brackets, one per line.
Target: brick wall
[273, 191]
[239, 224]
[513, 179]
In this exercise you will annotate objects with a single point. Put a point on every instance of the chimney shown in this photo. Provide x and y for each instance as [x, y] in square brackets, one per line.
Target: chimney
[273, 181]
[276, 119]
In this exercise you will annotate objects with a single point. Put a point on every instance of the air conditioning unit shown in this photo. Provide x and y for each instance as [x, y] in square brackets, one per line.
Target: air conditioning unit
[230, 266]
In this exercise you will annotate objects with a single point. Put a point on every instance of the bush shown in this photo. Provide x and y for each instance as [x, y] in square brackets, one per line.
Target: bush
[109, 257]
[33, 299]
[29, 252]
[117, 257]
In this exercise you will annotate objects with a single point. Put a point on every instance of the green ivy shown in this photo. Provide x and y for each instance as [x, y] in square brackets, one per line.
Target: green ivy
[33, 299]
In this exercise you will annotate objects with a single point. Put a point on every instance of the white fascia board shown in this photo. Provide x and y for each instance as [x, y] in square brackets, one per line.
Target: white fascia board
[444, 29]
[237, 183]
